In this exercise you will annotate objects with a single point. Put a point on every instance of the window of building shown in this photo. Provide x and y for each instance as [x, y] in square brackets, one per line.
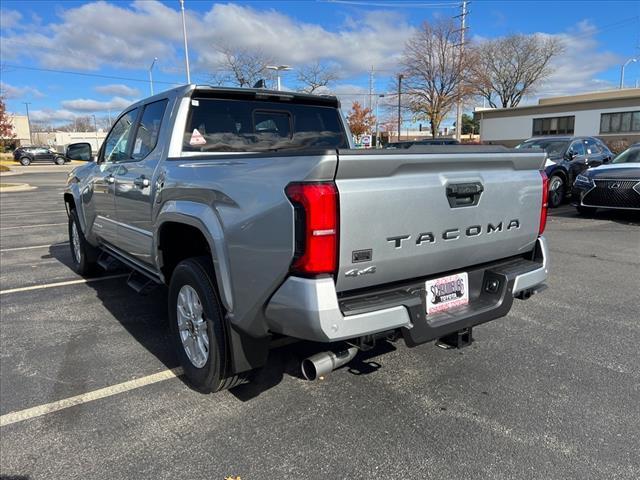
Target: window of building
[553, 126]
[620, 122]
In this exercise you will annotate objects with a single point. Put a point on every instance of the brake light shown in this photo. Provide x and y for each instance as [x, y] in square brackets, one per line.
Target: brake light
[545, 202]
[316, 227]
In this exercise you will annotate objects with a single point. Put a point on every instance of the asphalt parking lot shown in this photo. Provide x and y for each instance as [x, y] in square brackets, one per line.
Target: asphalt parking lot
[552, 391]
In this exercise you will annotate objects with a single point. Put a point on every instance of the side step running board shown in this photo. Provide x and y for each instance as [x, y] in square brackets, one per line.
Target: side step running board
[108, 263]
[141, 283]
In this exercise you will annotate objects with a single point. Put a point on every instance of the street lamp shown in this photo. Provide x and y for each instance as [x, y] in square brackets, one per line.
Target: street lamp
[155, 59]
[400, 77]
[278, 69]
[624, 65]
[95, 126]
[186, 46]
[378, 97]
[26, 104]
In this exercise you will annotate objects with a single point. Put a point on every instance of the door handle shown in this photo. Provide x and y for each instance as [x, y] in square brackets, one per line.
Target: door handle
[141, 182]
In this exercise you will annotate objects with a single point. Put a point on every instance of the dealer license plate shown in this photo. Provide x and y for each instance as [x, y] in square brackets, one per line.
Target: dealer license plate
[447, 292]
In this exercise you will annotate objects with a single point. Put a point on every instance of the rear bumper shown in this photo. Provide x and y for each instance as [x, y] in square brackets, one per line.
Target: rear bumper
[311, 309]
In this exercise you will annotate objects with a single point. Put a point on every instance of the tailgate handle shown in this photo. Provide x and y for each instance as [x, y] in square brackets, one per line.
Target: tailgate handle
[464, 194]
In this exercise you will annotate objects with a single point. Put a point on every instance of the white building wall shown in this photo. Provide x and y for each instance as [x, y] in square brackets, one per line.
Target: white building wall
[587, 123]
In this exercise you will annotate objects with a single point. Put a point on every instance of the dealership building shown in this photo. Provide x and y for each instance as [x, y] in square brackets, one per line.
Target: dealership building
[612, 115]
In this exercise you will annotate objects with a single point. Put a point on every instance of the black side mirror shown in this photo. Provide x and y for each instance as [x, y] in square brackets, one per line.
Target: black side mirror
[79, 151]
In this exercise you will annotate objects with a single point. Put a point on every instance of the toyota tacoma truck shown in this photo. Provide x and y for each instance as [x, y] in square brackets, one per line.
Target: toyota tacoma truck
[264, 223]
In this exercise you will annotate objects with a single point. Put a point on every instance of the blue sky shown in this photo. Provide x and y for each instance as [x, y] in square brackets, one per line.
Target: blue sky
[120, 39]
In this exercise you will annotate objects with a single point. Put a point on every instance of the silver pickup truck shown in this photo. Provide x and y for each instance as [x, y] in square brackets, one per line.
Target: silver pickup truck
[253, 209]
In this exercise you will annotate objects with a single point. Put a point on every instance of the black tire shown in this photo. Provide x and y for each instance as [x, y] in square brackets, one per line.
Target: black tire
[88, 254]
[59, 161]
[25, 161]
[556, 190]
[586, 211]
[214, 375]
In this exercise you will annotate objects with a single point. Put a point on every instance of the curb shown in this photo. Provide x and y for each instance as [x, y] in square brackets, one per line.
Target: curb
[20, 187]
[10, 174]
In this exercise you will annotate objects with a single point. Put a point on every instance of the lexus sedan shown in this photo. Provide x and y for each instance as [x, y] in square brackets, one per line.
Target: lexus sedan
[610, 186]
[567, 157]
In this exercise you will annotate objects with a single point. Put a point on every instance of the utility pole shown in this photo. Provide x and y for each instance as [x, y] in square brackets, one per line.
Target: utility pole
[26, 104]
[371, 89]
[463, 27]
[400, 77]
[186, 46]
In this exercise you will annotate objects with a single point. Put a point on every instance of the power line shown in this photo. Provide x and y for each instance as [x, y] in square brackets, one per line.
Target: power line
[85, 74]
[396, 4]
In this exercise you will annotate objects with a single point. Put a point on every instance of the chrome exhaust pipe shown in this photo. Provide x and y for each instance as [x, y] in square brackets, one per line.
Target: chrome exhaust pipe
[323, 363]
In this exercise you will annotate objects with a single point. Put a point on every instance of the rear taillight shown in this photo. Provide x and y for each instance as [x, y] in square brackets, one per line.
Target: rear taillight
[316, 207]
[545, 202]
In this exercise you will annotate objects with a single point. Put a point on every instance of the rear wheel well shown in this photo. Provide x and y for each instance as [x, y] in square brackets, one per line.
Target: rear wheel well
[177, 242]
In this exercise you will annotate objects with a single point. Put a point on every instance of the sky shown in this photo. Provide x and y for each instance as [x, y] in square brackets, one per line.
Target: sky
[109, 45]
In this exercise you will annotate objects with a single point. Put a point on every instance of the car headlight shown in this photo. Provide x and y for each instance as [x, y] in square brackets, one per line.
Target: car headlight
[583, 180]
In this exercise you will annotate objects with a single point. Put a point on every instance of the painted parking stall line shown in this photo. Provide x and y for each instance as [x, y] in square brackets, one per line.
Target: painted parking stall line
[34, 247]
[34, 226]
[61, 284]
[39, 411]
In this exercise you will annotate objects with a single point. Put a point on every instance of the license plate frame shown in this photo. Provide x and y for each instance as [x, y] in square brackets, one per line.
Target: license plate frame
[444, 293]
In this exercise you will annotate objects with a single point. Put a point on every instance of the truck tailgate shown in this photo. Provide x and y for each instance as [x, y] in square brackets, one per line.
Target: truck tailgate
[406, 214]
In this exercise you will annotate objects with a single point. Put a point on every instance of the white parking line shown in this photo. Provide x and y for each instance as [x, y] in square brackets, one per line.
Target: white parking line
[61, 284]
[35, 226]
[31, 212]
[15, 249]
[47, 408]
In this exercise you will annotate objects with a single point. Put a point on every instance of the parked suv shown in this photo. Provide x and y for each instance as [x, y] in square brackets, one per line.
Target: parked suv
[28, 155]
[567, 157]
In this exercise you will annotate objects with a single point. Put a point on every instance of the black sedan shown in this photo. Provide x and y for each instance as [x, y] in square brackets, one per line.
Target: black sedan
[28, 155]
[567, 157]
[610, 186]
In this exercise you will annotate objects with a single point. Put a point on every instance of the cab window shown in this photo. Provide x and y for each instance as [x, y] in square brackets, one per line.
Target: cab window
[117, 142]
[148, 129]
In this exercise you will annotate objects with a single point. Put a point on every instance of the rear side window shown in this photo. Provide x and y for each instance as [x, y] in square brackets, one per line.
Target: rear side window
[148, 129]
[216, 125]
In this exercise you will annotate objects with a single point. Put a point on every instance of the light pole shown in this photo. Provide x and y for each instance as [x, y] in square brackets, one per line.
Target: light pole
[400, 77]
[155, 59]
[95, 127]
[26, 104]
[624, 65]
[186, 46]
[278, 69]
[378, 97]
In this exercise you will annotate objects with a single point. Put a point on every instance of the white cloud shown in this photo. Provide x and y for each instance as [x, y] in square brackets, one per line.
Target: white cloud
[12, 91]
[51, 115]
[118, 89]
[577, 68]
[9, 19]
[90, 105]
[104, 34]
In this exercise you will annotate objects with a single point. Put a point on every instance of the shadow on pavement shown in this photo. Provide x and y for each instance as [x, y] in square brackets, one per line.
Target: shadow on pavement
[624, 217]
[145, 318]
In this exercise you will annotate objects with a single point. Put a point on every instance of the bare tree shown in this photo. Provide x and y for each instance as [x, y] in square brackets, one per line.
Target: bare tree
[316, 76]
[434, 72]
[7, 134]
[241, 68]
[507, 69]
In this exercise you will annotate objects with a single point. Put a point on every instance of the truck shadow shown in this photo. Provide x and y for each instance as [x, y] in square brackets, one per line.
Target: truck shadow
[145, 318]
